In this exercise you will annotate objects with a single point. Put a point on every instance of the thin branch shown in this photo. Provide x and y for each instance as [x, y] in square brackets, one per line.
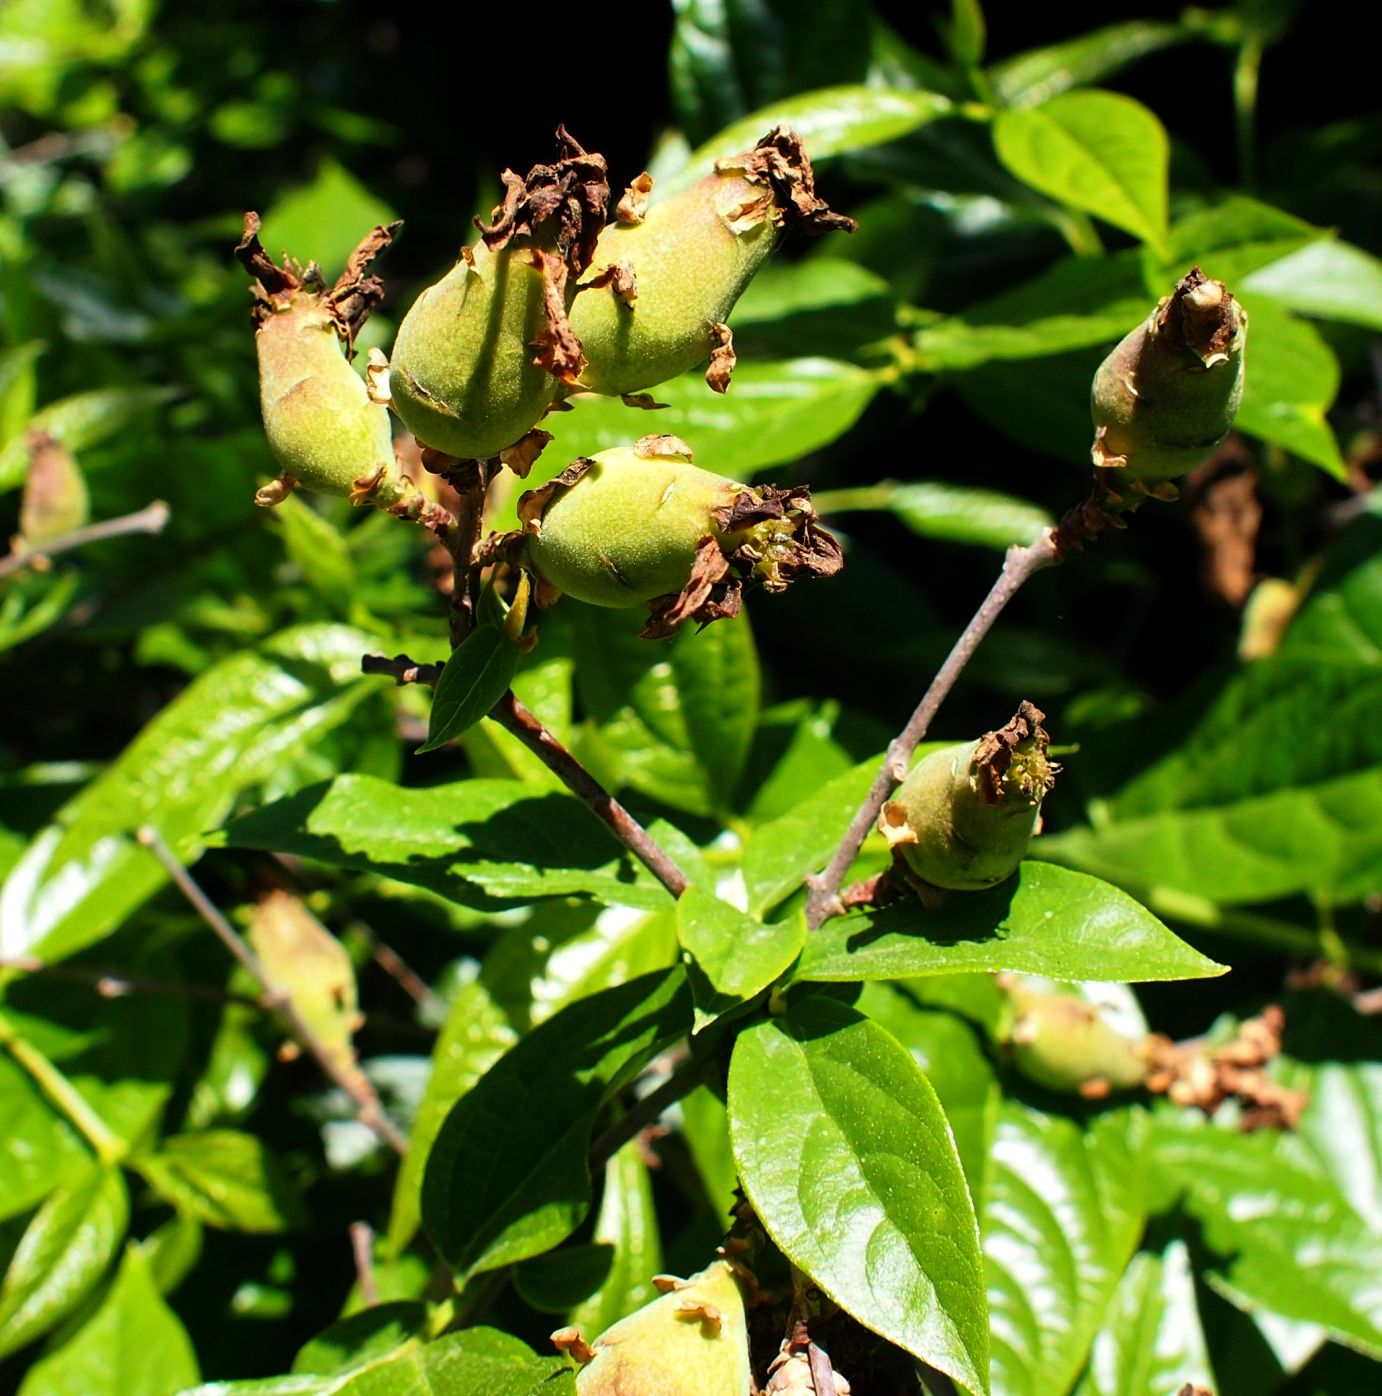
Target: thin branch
[350, 1078]
[362, 1250]
[514, 717]
[113, 984]
[684, 1079]
[402, 973]
[152, 518]
[823, 896]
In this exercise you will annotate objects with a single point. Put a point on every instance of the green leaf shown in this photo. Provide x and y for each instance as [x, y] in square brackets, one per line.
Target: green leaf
[1046, 920]
[482, 843]
[831, 121]
[62, 1255]
[555, 1282]
[227, 1179]
[1151, 1342]
[733, 956]
[1232, 241]
[1097, 151]
[324, 220]
[955, 513]
[503, 1183]
[1292, 383]
[1061, 1217]
[78, 422]
[475, 1035]
[776, 412]
[1329, 279]
[1028, 79]
[1300, 1249]
[627, 1225]
[132, 1345]
[85, 872]
[674, 721]
[705, 1127]
[846, 1156]
[354, 1341]
[476, 677]
[319, 551]
[823, 305]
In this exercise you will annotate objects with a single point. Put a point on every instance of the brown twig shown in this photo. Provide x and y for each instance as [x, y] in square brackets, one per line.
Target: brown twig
[353, 1081]
[362, 1250]
[685, 1077]
[402, 973]
[115, 984]
[152, 518]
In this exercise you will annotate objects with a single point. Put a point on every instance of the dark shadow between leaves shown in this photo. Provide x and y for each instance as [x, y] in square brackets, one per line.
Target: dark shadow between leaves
[964, 917]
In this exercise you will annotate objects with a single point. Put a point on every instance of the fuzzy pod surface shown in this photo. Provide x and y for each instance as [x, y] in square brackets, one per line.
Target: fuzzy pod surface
[661, 283]
[965, 814]
[1166, 396]
[480, 355]
[641, 524]
[692, 1338]
[1066, 1043]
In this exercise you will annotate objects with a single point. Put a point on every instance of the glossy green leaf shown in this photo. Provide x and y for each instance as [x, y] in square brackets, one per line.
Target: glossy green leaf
[1046, 920]
[627, 1224]
[1061, 1217]
[1028, 79]
[673, 720]
[18, 381]
[475, 1035]
[503, 1183]
[1151, 1343]
[1293, 382]
[555, 1282]
[322, 221]
[132, 1345]
[354, 1341]
[1295, 1243]
[227, 1179]
[1328, 279]
[84, 872]
[954, 513]
[64, 1252]
[1232, 240]
[831, 121]
[733, 956]
[479, 842]
[1097, 151]
[476, 677]
[319, 551]
[846, 1156]
[705, 1127]
[78, 422]
[822, 305]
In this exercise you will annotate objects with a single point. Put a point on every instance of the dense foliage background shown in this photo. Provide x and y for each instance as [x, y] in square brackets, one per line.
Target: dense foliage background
[1213, 673]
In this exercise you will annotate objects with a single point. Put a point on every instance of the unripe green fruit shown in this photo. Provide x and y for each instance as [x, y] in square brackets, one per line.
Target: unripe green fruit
[691, 1339]
[1165, 398]
[322, 427]
[964, 816]
[1065, 1043]
[641, 524]
[462, 373]
[654, 301]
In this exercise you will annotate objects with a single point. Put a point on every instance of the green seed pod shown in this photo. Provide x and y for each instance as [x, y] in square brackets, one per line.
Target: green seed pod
[643, 525]
[692, 1338]
[480, 355]
[55, 497]
[1166, 397]
[1064, 1042]
[964, 816]
[662, 283]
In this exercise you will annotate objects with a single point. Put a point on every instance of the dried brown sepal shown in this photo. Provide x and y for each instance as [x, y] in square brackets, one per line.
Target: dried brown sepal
[275, 492]
[811, 552]
[532, 504]
[780, 162]
[644, 402]
[706, 1314]
[1198, 316]
[1194, 1075]
[275, 283]
[520, 456]
[620, 278]
[722, 359]
[571, 1343]
[1189, 1389]
[668, 1284]
[357, 291]
[574, 191]
[634, 204]
[994, 757]
[661, 446]
[708, 572]
[558, 349]
[437, 462]
[878, 890]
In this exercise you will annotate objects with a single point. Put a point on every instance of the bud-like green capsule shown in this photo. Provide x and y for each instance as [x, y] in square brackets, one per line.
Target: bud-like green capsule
[1066, 1043]
[55, 497]
[641, 524]
[661, 284]
[692, 1338]
[1165, 398]
[964, 816]
[480, 355]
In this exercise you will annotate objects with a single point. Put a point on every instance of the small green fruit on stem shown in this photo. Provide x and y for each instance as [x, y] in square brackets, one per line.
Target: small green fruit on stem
[661, 284]
[322, 426]
[964, 816]
[692, 1338]
[1165, 398]
[480, 355]
[641, 525]
[55, 500]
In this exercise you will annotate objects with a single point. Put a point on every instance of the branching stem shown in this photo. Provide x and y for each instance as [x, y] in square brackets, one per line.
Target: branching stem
[152, 518]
